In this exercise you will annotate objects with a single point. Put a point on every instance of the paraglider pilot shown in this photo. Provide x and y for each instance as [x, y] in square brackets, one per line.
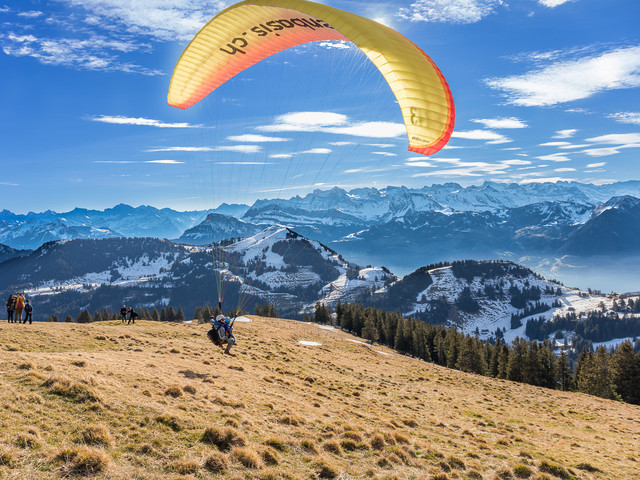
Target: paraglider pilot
[222, 332]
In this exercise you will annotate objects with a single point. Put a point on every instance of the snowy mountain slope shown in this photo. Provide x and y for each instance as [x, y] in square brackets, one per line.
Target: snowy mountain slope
[217, 227]
[288, 270]
[34, 229]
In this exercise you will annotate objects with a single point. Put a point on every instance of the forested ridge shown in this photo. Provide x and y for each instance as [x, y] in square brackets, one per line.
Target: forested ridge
[613, 374]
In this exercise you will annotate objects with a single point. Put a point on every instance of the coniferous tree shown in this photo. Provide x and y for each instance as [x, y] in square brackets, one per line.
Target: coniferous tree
[171, 314]
[563, 370]
[97, 316]
[51, 318]
[180, 316]
[369, 330]
[503, 361]
[68, 319]
[516, 363]
[83, 317]
[625, 373]
[155, 316]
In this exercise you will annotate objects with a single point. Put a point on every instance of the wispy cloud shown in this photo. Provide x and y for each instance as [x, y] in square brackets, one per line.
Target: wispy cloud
[626, 117]
[179, 149]
[30, 14]
[568, 133]
[596, 165]
[164, 162]
[501, 122]
[164, 20]
[575, 79]
[141, 121]
[91, 53]
[238, 148]
[555, 157]
[616, 138]
[335, 123]
[566, 169]
[548, 180]
[461, 169]
[251, 138]
[515, 162]
[487, 135]
[553, 3]
[449, 11]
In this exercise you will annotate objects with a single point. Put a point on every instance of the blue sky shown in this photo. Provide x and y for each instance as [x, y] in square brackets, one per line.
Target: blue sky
[545, 90]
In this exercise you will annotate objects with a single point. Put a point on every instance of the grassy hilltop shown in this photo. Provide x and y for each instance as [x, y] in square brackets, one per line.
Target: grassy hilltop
[159, 401]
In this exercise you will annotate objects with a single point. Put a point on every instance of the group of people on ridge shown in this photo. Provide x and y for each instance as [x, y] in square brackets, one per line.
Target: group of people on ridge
[128, 314]
[17, 304]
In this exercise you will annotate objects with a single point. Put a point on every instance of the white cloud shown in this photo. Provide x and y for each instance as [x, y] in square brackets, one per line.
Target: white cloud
[449, 11]
[548, 180]
[165, 162]
[338, 44]
[341, 144]
[147, 122]
[616, 138]
[336, 123]
[244, 163]
[555, 144]
[626, 117]
[419, 164]
[501, 122]
[162, 19]
[571, 80]
[555, 157]
[568, 133]
[489, 136]
[601, 152]
[318, 151]
[256, 138]
[465, 169]
[568, 169]
[381, 145]
[179, 149]
[596, 165]
[281, 155]
[238, 148]
[515, 162]
[553, 3]
[573, 146]
[385, 154]
[92, 53]
[30, 14]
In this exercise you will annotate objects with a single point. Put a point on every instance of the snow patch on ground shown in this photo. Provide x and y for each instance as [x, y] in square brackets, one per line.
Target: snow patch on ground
[311, 344]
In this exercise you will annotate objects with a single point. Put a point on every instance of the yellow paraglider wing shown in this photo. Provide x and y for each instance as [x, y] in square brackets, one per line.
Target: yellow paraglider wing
[249, 31]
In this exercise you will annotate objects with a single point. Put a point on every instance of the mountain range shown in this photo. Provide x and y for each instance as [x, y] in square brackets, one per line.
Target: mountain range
[294, 274]
[399, 227]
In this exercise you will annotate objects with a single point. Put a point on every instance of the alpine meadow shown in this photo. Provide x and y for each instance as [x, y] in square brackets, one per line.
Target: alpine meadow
[294, 239]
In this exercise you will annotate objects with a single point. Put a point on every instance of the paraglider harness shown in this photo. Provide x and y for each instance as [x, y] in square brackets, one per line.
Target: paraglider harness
[214, 334]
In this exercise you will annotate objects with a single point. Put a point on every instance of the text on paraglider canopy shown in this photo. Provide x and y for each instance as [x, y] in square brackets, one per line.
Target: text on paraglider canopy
[272, 27]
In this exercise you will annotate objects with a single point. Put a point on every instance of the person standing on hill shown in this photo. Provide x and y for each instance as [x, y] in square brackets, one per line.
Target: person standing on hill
[28, 309]
[123, 313]
[19, 308]
[11, 306]
[132, 316]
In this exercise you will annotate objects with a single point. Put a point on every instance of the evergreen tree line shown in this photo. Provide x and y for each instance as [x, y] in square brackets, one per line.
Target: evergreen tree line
[538, 307]
[610, 374]
[595, 327]
[165, 314]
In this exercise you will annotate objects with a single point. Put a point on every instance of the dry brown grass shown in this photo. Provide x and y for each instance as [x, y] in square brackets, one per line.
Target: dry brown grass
[92, 400]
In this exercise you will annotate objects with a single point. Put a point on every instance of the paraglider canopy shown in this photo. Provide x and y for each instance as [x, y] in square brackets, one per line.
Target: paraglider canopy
[249, 31]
